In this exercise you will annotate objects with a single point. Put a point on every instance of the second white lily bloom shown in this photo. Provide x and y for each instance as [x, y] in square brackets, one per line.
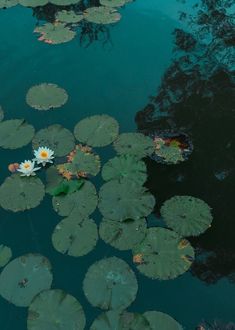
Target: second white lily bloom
[43, 155]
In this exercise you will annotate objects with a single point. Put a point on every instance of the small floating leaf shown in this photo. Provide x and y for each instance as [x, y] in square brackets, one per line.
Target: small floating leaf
[55, 33]
[64, 2]
[55, 137]
[15, 133]
[68, 16]
[33, 3]
[112, 3]
[187, 215]
[55, 309]
[102, 15]
[125, 200]
[21, 193]
[110, 284]
[75, 236]
[24, 277]
[8, 3]
[159, 320]
[5, 255]
[97, 131]
[135, 144]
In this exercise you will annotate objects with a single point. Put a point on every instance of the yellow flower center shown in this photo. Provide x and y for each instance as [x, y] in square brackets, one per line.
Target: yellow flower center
[44, 154]
[26, 166]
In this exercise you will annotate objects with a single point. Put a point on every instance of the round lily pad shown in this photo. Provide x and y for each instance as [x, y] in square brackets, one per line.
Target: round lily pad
[24, 277]
[102, 15]
[123, 235]
[163, 254]
[33, 3]
[110, 284]
[55, 33]
[5, 255]
[187, 215]
[55, 137]
[97, 131]
[68, 16]
[125, 200]
[125, 167]
[135, 144]
[57, 310]
[75, 236]
[8, 3]
[112, 3]
[64, 2]
[81, 203]
[46, 96]
[21, 193]
[15, 133]
[120, 321]
[159, 320]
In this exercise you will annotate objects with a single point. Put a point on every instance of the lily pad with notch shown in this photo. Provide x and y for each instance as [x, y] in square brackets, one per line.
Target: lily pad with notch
[55, 34]
[69, 16]
[159, 320]
[102, 15]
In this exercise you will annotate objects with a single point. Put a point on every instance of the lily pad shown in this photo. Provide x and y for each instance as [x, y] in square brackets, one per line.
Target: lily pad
[81, 203]
[159, 320]
[120, 321]
[55, 137]
[102, 15]
[97, 131]
[46, 96]
[125, 167]
[8, 3]
[64, 2]
[125, 200]
[24, 277]
[187, 215]
[110, 284]
[21, 193]
[55, 33]
[57, 310]
[163, 254]
[69, 16]
[135, 144]
[112, 3]
[123, 235]
[15, 133]
[33, 3]
[5, 255]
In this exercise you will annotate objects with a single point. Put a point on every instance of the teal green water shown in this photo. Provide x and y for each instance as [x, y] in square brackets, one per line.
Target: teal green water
[116, 78]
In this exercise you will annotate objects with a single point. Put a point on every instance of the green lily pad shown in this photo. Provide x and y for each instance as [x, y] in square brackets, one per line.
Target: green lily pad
[15, 133]
[5, 255]
[169, 154]
[81, 203]
[163, 254]
[102, 15]
[55, 33]
[187, 215]
[24, 277]
[64, 2]
[97, 131]
[120, 321]
[21, 193]
[123, 235]
[46, 96]
[75, 236]
[135, 144]
[8, 3]
[125, 167]
[69, 16]
[33, 3]
[112, 3]
[110, 284]
[55, 137]
[55, 310]
[125, 200]
[159, 320]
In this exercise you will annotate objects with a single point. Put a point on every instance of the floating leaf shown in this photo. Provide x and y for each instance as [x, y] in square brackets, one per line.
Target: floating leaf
[55, 309]
[125, 200]
[8, 3]
[46, 96]
[55, 33]
[123, 235]
[5, 255]
[159, 320]
[64, 2]
[21, 193]
[33, 3]
[15, 133]
[125, 167]
[55, 137]
[81, 203]
[120, 321]
[102, 15]
[24, 277]
[135, 144]
[97, 131]
[110, 284]
[187, 215]
[112, 3]
[68, 16]
[75, 236]
[163, 254]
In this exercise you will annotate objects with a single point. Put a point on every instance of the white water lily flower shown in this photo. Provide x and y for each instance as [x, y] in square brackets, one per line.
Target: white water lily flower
[27, 168]
[43, 155]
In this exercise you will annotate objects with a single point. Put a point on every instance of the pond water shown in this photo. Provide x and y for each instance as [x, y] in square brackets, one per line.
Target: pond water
[116, 75]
